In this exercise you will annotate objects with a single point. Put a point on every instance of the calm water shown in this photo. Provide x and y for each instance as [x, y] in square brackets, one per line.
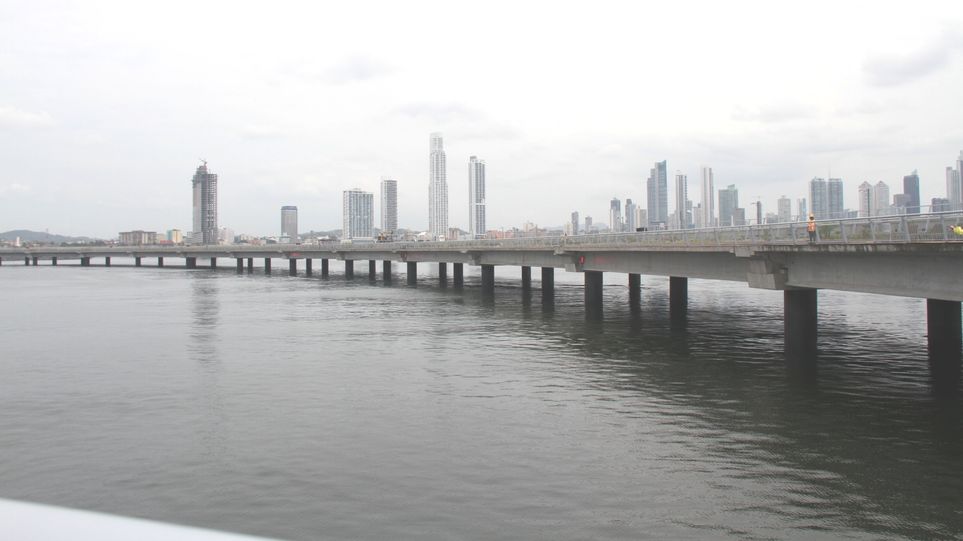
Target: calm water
[303, 408]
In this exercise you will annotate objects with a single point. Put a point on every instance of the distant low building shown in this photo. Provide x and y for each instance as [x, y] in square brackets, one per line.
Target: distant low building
[175, 236]
[137, 238]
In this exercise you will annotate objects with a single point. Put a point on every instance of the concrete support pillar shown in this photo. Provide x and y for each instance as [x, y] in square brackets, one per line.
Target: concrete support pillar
[324, 268]
[213, 262]
[412, 273]
[944, 341]
[548, 284]
[36, 261]
[26, 260]
[372, 270]
[678, 298]
[292, 267]
[191, 262]
[250, 264]
[239, 264]
[386, 271]
[526, 278]
[488, 278]
[107, 261]
[593, 294]
[267, 265]
[348, 269]
[84, 262]
[635, 289]
[160, 261]
[800, 325]
[458, 270]
[443, 273]
[53, 261]
[136, 261]
[308, 271]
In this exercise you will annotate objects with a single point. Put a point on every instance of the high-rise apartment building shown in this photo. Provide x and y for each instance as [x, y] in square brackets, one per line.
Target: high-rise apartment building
[476, 197]
[911, 188]
[205, 229]
[819, 198]
[615, 215]
[728, 205]
[954, 189]
[881, 206]
[866, 199]
[630, 216]
[708, 198]
[801, 209]
[575, 223]
[437, 189]
[784, 209]
[681, 198]
[657, 197]
[358, 214]
[289, 223]
[834, 197]
[389, 206]
[588, 224]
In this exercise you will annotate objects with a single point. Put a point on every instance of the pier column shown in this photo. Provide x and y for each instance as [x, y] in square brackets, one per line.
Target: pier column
[250, 264]
[36, 261]
[107, 261]
[240, 265]
[488, 278]
[53, 261]
[267, 265]
[593, 294]
[412, 273]
[136, 261]
[213, 262]
[292, 267]
[800, 324]
[307, 267]
[443, 273]
[678, 298]
[944, 340]
[324, 268]
[84, 262]
[160, 261]
[526, 278]
[386, 271]
[348, 269]
[372, 270]
[548, 284]
[458, 270]
[191, 262]
[26, 260]
[635, 289]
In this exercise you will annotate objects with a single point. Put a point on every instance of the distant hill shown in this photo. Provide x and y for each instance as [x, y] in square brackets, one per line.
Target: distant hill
[39, 236]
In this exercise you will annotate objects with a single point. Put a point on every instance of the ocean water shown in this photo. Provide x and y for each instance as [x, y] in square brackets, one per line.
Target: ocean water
[309, 408]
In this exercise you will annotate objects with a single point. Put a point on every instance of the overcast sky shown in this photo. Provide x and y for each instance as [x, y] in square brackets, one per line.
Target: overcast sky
[107, 107]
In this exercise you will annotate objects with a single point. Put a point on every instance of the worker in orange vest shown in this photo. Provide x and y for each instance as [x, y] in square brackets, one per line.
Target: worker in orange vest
[811, 227]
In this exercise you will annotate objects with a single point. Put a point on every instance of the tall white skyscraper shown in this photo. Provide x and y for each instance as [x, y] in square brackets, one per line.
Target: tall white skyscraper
[615, 215]
[954, 184]
[866, 199]
[476, 198]
[205, 207]
[802, 212]
[834, 191]
[575, 228]
[437, 189]
[708, 198]
[681, 197]
[358, 214]
[819, 198]
[881, 204]
[389, 206]
[729, 206]
[630, 216]
[657, 196]
[784, 209]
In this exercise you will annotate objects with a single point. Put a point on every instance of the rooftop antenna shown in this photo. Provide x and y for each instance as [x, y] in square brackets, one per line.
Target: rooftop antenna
[203, 161]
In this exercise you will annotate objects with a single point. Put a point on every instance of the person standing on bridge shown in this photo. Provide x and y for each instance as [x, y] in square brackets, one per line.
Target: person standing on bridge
[811, 228]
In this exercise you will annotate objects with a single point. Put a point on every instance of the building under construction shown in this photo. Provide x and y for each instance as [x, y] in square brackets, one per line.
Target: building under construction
[205, 207]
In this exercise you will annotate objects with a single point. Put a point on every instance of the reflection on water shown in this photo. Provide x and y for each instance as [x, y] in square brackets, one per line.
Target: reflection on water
[333, 408]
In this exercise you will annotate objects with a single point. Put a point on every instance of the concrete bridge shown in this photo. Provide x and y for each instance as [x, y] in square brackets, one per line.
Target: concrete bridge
[911, 256]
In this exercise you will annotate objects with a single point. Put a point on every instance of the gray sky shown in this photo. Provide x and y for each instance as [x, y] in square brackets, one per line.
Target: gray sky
[106, 107]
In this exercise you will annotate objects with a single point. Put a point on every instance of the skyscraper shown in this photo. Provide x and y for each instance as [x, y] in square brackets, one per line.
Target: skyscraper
[615, 215]
[588, 224]
[866, 200]
[575, 223]
[289, 223]
[834, 197]
[476, 197]
[911, 188]
[681, 197]
[358, 214]
[657, 197]
[437, 189]
[801, 206]
[708, 198]
[784, 209]
[205, 207]
[728, 205]
[954, 190]
[881, 206]
[630, 216]
[389, 206]
[819, 198]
